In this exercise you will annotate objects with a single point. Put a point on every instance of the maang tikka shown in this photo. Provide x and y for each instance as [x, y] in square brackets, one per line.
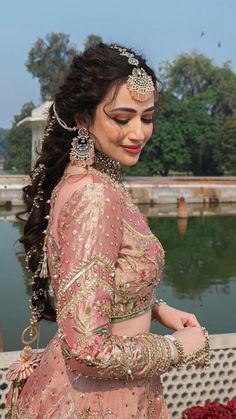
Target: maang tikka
[139, 83]
[82, 151]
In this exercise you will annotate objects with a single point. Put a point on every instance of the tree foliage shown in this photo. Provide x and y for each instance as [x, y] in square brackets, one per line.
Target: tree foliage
[202, 137]
[3, 133]
[205, 255]
[166, 149]
[92, 40]
[188, 75]
[48, 61]
[3, 144]
[227, 149]
[18, 140]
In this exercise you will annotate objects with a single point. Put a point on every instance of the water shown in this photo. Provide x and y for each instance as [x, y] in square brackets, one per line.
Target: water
[199, 275]
[200, 269]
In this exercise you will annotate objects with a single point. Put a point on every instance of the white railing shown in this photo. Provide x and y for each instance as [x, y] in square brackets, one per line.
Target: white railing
[192, 386]
[187, 387]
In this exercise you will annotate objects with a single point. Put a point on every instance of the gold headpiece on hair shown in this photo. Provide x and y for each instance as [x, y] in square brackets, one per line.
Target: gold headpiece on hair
[139, 83]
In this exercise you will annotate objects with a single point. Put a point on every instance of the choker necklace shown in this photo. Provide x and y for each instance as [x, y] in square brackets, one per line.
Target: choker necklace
[106, 165]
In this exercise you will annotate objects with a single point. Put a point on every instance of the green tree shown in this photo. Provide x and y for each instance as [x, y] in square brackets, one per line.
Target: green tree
[48, 61]
[167, 150]
[3, 133]
[188, 75]
[3, 144]
[18, 140]
[92, 40]
[227, 150]
[194, 75]
[208, 94]
[202, 138]
[222, 91]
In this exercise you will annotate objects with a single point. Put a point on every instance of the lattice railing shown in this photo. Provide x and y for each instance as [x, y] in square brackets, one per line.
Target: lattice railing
[192, 386]
[183, 388]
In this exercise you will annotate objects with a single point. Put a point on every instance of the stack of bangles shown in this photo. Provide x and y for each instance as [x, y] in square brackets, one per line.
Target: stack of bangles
[200, 357]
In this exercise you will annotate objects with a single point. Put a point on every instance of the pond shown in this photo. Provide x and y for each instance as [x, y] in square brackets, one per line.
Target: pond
[199, 274]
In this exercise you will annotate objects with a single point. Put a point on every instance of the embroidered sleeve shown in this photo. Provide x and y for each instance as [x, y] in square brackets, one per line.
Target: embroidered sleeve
[90, 231]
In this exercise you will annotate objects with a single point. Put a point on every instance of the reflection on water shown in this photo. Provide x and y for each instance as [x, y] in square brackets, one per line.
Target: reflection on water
[200, 269]
[199, 274]
[206, 255]
[182, 227]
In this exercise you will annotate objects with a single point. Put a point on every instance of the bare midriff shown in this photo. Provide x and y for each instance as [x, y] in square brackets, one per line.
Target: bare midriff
[134, 326]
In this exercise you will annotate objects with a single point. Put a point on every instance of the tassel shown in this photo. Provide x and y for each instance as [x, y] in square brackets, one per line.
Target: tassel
[18, 373]
[22, 368]
[44, 268]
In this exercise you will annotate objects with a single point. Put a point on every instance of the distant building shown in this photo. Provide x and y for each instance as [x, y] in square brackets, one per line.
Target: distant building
[37, 121]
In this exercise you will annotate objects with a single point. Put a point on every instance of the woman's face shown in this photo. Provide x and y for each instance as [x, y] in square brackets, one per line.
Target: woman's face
[122, 126]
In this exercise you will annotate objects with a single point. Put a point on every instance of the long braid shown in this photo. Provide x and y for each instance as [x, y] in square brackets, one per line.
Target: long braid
[37, 199]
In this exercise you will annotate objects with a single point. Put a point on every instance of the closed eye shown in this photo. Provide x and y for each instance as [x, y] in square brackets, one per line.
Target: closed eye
[147, 121]
[121, 121]
[126, 121]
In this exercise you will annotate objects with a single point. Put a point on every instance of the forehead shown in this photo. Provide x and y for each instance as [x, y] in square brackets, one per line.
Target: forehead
[121, 98]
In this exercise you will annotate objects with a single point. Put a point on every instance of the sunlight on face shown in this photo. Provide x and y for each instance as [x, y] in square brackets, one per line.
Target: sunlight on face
[122, 126]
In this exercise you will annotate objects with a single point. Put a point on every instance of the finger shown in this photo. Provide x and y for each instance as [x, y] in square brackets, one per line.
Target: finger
[179, 325]
[192, 322]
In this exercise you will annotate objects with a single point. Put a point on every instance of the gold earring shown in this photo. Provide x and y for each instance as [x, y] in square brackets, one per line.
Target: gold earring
[82, 149]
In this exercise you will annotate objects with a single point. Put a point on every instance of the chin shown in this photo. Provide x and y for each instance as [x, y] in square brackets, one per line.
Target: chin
[130, 162]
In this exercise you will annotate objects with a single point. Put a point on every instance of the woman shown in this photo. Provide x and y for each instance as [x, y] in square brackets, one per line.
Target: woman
[104, 263]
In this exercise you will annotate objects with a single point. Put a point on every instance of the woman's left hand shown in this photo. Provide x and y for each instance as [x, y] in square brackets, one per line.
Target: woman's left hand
[172, 318]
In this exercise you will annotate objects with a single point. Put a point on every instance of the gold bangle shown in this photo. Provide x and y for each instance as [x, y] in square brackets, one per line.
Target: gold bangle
[181, 354]
[195, 357]
[170, 340]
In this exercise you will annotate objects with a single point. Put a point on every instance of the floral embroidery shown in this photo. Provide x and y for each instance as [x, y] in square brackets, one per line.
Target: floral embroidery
[102, 309]
[105, 264]
[95, 288]
[65, 407]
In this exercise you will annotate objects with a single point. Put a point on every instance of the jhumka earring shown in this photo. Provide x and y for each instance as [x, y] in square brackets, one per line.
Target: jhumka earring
[139, 83]
[82, 150]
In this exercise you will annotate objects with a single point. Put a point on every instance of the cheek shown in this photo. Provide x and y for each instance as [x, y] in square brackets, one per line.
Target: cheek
[148, 131]
[113, 132]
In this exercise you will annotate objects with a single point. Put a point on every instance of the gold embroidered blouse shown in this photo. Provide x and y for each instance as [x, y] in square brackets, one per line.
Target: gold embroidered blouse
[105, 264]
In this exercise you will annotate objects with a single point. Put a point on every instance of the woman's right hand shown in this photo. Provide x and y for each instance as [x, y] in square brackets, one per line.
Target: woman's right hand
[192, 339]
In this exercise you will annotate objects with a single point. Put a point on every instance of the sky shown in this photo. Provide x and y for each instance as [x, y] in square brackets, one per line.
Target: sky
[160, 29]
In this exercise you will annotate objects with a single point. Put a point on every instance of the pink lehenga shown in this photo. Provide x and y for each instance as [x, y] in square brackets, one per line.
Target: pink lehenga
[104, 265]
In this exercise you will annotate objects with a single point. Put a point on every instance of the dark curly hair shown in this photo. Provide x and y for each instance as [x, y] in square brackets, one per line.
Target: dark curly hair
[90, 77]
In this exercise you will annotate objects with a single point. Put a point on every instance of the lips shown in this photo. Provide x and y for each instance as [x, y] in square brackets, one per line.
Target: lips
[134, 149]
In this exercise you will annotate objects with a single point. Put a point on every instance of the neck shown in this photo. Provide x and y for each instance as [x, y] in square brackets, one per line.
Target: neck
[106, 165]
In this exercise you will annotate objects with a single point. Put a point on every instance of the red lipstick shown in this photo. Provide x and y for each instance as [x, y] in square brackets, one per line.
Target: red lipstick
[134, 149]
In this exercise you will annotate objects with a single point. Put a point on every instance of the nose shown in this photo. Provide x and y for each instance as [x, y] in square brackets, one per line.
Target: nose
[137, 131]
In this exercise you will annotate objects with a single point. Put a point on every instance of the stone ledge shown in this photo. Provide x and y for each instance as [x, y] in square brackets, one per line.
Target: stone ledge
[146, 190]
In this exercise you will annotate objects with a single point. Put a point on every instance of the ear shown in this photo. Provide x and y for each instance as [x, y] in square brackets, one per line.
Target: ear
[80, 121]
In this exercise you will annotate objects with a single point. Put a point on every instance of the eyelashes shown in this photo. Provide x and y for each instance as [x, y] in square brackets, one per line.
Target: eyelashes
[126, 121]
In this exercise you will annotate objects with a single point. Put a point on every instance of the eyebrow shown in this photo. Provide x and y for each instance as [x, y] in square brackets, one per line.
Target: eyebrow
[131, 110]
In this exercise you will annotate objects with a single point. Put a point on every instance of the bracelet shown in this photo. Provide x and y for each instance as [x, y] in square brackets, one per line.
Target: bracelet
[195, 357]
[180, 350]
[170, 339]
[160, 302]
